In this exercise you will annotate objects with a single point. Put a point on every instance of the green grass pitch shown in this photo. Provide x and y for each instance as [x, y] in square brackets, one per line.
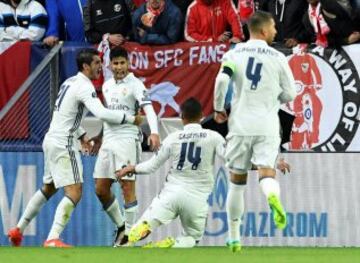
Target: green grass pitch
[196, 255]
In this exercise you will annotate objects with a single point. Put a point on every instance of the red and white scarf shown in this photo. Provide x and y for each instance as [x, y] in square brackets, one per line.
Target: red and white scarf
[246, 9]
[149, 18]
[319, 24]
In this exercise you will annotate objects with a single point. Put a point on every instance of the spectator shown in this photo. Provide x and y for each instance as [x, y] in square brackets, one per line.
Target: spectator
[330, 23]
[183, 5]
[246, 9]
[138, 3]
[134, 4]
[22, 20]
[287, 15]
[208, 20]
[157, 22]
[64, 25]
[107, 20]
[355, 4]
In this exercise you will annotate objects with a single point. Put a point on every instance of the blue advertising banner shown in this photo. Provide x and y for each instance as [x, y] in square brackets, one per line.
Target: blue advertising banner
[320, 213]
[21, 176]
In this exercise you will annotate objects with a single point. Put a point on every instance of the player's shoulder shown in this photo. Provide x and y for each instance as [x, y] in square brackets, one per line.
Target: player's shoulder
[108, 84]
[213, 134]
[230, 53]
[278, 53]
[135, 81]
[170, 139]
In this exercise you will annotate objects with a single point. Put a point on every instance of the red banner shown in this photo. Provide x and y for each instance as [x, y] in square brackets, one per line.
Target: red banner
[176, 72]
[14, 69]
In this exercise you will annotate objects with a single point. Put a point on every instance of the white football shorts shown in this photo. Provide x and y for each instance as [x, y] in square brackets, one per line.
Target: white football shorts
[114, 155]
[62, 164]
[171, 203]
[243, 151]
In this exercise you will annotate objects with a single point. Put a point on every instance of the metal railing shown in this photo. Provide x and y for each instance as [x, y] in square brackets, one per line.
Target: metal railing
[29, 109]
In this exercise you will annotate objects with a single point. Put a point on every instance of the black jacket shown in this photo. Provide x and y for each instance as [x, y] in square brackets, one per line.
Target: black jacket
[106, 16]
[288, 20]
[337, 18]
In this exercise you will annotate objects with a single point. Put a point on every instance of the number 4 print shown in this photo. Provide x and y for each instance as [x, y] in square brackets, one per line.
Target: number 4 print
[253, 74]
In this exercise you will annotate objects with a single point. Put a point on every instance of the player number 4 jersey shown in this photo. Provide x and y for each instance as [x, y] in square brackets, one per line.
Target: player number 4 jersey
[262, 81]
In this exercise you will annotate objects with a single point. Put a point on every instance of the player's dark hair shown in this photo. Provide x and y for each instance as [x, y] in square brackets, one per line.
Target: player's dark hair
[118, 52]
[85, 56]
[258, 20]
[191, 109]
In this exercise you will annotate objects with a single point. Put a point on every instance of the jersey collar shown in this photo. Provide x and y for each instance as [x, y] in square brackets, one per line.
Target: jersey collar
[83, 76]
[126, 79]
[257, 42]
[192, 126]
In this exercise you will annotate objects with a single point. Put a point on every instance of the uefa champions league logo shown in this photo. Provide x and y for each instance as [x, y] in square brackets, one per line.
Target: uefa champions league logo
[217, 223]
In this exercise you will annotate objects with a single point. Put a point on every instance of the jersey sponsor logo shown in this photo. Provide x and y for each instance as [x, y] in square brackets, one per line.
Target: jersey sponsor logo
[326, 105]
[164, 93]
[114, 106]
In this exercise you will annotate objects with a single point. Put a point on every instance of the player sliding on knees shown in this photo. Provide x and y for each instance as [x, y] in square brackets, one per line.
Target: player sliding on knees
[188, 184]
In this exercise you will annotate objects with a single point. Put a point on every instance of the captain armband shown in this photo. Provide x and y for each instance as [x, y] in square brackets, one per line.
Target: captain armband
[228, 68]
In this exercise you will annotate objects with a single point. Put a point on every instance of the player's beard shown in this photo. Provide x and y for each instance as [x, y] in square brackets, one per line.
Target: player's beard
[121, 74]
[96, 73]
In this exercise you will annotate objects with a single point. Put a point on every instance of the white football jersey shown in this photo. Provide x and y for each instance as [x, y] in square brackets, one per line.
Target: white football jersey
[76, 96]
[262, 80]
[192, 153]
[126, 95]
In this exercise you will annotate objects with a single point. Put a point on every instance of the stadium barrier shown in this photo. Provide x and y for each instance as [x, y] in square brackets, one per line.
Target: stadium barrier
[326, 108]
[320, 195]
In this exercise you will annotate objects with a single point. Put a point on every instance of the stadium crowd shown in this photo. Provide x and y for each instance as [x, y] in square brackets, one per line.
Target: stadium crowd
[161, 22]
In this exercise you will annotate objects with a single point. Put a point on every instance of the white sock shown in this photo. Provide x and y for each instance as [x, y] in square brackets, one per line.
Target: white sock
[184, 242]
[114, 213]
[235, 209]
[131, 211]
[270, 186]
[62, 216]
[32, 209]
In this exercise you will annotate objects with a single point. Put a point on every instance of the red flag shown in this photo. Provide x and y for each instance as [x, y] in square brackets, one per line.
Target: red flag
[14, 69]
[176, 72]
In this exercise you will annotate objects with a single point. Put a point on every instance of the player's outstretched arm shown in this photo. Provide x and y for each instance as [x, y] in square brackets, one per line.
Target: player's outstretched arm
[117, 117]
[96, 142]
[154, 138]
[283, 166]
[221, 86]
[130, 169]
